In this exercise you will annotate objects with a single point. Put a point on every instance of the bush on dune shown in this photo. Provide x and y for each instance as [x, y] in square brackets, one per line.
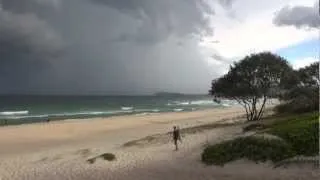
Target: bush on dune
[299, 136]
[257, 149]
[301, 133]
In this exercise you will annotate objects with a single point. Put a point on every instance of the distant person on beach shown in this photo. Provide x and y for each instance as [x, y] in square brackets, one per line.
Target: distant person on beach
[176, 136]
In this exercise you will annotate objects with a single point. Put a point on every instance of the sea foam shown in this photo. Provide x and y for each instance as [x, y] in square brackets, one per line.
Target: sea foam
[13, 113]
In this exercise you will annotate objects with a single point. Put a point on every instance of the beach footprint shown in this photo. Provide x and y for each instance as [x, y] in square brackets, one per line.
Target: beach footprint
[84, 152]
[50, 158]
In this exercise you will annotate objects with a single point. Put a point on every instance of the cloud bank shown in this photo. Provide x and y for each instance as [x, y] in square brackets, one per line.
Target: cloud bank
[103, 46]
[299, 16]
[132, 46]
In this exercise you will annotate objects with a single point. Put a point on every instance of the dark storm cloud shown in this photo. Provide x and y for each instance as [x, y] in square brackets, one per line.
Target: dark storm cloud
[27, 45]
[298, 16]
[25, 34]
[103, 47]
[159, 19]
[27, 6]
[23, 29]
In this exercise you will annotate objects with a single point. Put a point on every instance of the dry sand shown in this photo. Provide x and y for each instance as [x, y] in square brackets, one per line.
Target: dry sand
[60, 150]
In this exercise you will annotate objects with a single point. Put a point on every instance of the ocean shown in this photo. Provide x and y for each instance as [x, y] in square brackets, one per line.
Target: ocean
[30, 109]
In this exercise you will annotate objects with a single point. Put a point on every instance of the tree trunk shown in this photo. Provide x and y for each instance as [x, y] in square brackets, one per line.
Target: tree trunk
[246, 106]
[262, 107]
[250, 106]
[254, 108]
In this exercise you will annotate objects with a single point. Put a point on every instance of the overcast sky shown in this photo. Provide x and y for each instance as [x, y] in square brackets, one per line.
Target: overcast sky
[144, 46]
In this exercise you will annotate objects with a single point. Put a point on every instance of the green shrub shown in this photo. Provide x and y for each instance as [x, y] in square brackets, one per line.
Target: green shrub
[257, 149]
[301, 133]
[297, 106]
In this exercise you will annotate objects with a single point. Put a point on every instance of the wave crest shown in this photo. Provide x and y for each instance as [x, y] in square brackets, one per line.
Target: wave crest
[126, 108]
[13, 113]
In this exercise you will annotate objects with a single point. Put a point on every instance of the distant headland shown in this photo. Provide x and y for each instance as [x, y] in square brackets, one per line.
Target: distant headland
[168, 94]
[176, 94]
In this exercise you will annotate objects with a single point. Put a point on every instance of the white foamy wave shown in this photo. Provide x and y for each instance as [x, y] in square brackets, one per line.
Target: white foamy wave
[24, 117]
[70, 114]
[146, 110]
[142, 114]
[126, 108]
[183, 103]
[202, 102]
[187, 103]
[178, 110]
[175, 103]
[13, 113]
[88, 113]
[226, 105]
[35, 116]
[141, 110]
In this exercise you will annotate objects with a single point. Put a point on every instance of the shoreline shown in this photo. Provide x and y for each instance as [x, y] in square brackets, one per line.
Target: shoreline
[113, 117]
[94, 115]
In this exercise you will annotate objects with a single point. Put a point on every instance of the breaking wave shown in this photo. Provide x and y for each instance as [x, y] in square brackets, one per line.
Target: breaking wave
[13, 113]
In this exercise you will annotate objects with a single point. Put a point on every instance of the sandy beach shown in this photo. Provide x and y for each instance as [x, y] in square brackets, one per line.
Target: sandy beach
[60, 150]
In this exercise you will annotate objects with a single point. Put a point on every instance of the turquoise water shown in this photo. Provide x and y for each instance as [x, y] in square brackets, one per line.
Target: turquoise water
[28, 109]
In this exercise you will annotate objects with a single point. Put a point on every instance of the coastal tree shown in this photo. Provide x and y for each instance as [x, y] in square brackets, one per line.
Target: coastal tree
[303, 94]
[253, 80]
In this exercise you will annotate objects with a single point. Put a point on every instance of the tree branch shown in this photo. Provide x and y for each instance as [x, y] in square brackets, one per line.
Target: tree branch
[250, 109]
[244, 104]
[262, 107]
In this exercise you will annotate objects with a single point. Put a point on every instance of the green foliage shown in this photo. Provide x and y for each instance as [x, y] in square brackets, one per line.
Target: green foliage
[302, 133]
[309, 75]
[298, 105]
[257, 149]
[254, 77]
[303, 94]
[299, 134]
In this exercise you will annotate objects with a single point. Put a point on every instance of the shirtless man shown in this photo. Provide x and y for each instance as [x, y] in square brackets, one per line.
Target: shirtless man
[176, 136]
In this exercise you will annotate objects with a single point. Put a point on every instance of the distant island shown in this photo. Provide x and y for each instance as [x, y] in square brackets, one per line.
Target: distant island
[168, 94]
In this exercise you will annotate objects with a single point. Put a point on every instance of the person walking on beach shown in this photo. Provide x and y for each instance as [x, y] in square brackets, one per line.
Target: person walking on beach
[176, 136]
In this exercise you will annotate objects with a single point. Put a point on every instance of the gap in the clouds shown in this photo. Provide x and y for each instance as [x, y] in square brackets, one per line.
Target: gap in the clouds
[306, 49]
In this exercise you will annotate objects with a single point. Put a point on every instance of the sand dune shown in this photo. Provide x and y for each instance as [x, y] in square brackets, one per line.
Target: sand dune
[60, 150]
